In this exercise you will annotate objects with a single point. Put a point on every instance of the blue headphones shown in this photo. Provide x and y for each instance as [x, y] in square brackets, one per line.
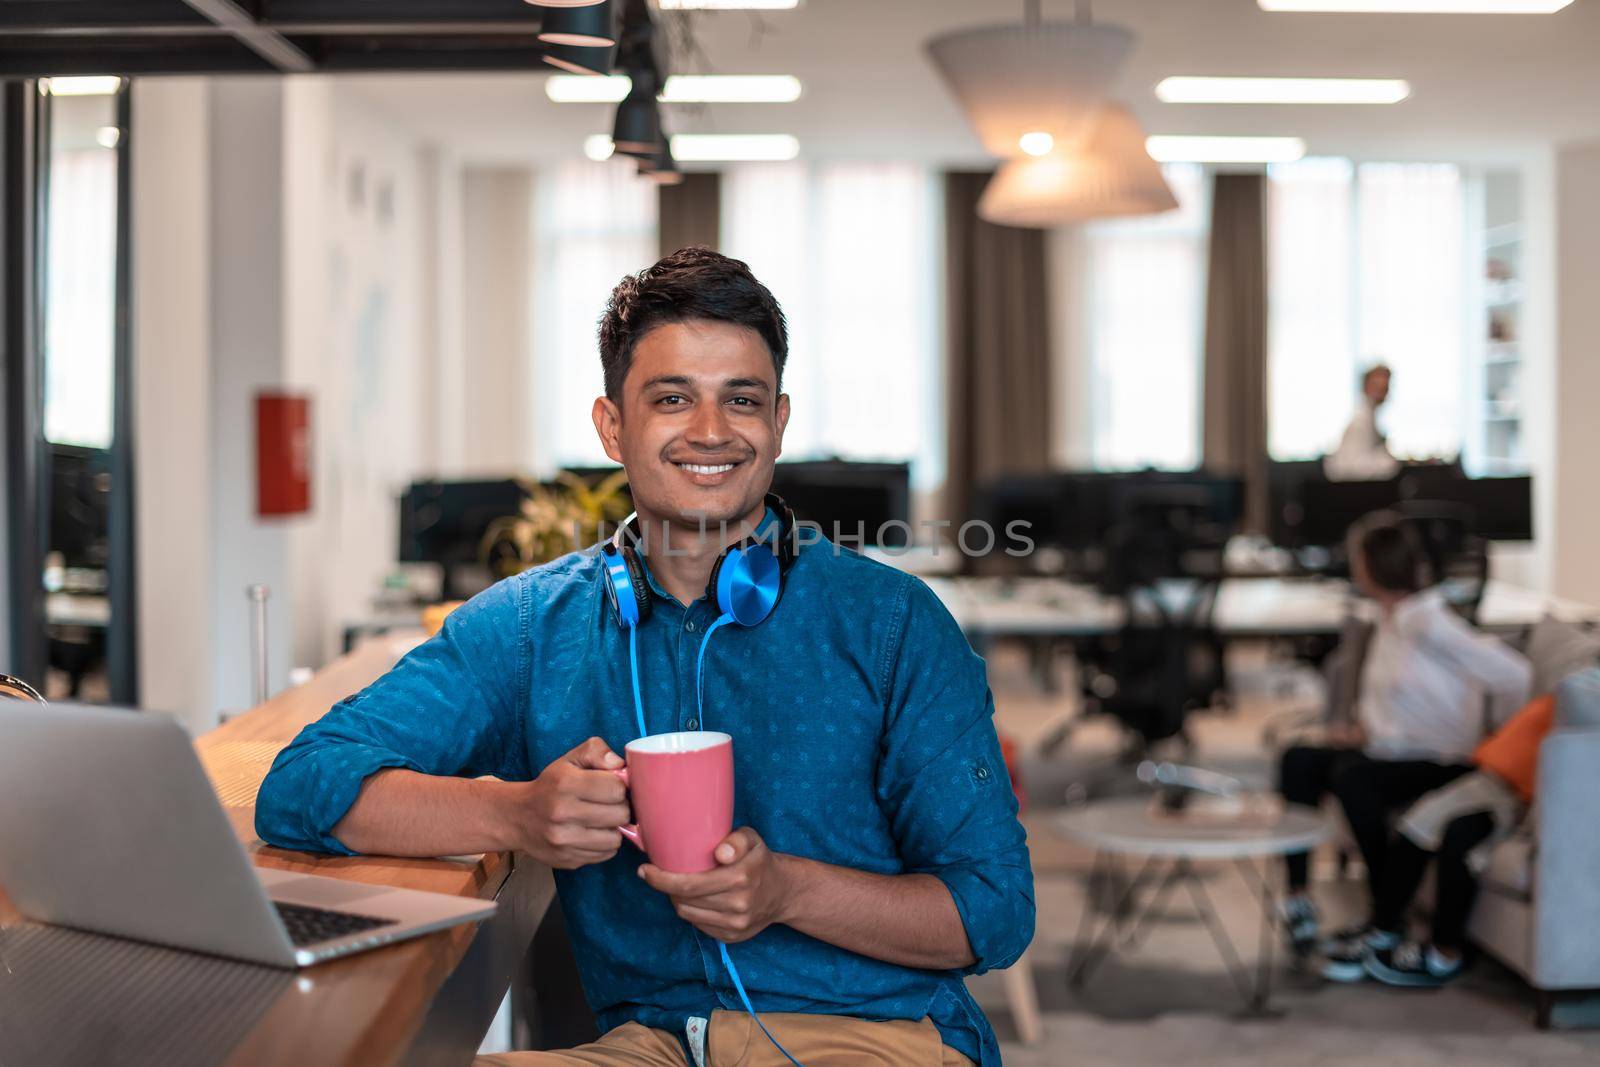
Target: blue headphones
[745, 581]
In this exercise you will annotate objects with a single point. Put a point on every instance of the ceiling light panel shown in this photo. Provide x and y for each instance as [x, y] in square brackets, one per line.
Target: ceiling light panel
[1168, 148]
[1420, 7]
[712, 147]
[680, 89]
[728, 5]
[1203, 90]
[90, 86]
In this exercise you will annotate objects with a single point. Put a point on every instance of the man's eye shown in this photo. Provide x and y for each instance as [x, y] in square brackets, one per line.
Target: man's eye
[744, 401]
[672, 400]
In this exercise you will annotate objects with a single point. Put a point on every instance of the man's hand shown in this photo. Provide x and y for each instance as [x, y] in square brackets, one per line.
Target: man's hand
[745, 893]
[1346, 735]
[568, 816]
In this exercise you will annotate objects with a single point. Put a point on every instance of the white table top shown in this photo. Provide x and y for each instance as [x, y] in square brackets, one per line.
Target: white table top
[1131, 825]
[993, 607]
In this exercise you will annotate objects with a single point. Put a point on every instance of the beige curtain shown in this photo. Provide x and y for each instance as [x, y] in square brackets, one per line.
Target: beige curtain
[1235, 433]
[690, 213]
[998, 346]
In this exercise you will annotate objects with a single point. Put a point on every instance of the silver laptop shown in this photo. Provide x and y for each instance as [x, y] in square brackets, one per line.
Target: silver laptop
[108, 824]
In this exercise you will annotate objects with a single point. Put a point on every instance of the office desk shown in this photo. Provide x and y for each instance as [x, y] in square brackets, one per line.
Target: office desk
[425, 1001]
[989, 608]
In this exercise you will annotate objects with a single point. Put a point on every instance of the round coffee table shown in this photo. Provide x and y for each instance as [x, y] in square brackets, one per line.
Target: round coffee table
[1170, 846]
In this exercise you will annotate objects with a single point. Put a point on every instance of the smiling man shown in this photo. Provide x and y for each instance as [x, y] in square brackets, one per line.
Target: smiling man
[877, 859]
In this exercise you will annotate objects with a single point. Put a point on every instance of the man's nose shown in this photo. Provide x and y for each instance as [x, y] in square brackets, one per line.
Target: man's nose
[709, 427]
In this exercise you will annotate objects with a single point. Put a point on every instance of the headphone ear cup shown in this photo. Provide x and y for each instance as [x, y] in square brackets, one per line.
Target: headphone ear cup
[641, 584]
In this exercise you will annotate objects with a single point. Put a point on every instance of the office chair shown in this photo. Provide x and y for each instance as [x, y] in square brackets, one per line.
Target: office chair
[1458, 559]
[1163, 662]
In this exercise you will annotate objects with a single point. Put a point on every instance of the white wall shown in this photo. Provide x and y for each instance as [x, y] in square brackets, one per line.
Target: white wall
[171, 300]
[1575, 528]
[286, 235]
[496, 208]
[247, 343]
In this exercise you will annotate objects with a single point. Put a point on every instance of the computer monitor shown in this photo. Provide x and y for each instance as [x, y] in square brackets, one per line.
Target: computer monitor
[80, 505]
[445, 522]
[1331, 508]
[1039, 500]
[856, 499]
[1286, 481]
[1502, 507]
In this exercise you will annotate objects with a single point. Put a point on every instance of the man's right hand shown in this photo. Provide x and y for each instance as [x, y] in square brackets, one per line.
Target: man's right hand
[568, 816]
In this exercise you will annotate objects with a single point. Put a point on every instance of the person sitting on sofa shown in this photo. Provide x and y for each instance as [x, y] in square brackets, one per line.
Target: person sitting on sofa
[1418, 716]
[1446, 826]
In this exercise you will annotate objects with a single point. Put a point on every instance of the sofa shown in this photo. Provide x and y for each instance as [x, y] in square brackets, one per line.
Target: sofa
[1538, 907]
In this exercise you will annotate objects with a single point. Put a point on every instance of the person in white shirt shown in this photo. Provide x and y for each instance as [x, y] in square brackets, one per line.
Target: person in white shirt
[1362, 454]
[1431, 688]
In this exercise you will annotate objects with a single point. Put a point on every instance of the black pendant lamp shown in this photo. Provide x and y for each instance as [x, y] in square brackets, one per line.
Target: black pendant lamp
[637, 130]
[564, 3]
[575, 59]
[585, 27]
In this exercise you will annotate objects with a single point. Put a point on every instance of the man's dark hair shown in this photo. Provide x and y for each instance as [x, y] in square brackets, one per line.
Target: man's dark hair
[1392, 551]
[692, 283]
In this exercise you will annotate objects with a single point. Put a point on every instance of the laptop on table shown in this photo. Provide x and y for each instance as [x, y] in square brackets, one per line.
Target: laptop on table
[109, 824]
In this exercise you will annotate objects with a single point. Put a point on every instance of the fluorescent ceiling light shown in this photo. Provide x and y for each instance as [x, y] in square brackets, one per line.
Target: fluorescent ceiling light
[728, 5]
[95, 86]
[1167, 148]
[712, 147]
[680, 89]
[1420, 7]
[1196, 90]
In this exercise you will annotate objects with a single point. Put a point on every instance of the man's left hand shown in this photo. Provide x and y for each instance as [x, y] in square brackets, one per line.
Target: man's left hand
[744, 894]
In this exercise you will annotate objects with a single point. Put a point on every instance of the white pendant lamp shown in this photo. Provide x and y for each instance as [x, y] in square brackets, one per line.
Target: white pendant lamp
[1031, 77]
[1109, 174]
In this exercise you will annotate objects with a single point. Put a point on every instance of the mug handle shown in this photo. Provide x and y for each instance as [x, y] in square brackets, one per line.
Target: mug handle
[629, 830]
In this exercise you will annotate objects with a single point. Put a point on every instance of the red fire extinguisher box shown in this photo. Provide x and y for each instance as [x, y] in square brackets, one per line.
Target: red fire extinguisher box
[283, 454]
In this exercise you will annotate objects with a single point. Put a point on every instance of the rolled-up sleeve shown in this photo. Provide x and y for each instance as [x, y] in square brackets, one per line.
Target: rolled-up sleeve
[453, 706]
[943, 781]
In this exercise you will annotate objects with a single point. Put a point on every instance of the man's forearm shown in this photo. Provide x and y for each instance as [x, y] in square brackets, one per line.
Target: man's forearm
[909, 919]
[402, 813]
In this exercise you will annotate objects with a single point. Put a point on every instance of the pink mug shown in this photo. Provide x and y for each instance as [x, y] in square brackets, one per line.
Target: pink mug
[681, 786]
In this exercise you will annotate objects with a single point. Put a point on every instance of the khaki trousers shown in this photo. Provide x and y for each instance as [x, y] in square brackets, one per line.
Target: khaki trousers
[734, 1040]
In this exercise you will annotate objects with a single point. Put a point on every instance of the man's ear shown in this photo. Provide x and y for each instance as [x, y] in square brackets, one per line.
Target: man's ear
[781, 410]
[608, 424]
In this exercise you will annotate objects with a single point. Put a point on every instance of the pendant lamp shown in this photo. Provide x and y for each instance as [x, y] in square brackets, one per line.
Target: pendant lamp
[590, 26]
[637, 129]
[575, 59]
[1109, 174]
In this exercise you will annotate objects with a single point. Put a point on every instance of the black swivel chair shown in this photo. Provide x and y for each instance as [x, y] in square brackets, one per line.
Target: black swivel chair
[1458, 559]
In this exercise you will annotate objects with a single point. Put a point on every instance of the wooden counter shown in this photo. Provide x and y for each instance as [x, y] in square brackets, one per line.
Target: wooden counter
[423, 1001]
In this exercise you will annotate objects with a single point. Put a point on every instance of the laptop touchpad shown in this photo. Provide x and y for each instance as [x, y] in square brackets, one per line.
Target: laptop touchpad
[322, 892]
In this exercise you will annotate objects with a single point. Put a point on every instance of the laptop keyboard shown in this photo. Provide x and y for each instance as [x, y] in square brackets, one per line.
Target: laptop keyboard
[310, 926]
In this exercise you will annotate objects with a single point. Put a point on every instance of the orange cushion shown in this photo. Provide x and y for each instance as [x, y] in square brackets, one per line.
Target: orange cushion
[1512, 752]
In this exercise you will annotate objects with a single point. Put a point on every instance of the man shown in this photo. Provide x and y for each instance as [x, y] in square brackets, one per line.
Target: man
[878, 857]
[1419, 714]
[1362, 454]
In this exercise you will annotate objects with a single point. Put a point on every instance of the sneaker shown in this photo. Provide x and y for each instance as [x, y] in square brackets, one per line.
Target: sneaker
[1299, 917]
[1344, 955]
[1412, 965]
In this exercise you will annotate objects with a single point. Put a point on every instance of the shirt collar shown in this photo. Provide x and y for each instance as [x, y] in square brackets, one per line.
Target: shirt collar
[768, 519]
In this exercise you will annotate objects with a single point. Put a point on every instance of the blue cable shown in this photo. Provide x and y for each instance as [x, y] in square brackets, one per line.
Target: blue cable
[727, 961]
[733, 972]
[699, 669]
[633, 662]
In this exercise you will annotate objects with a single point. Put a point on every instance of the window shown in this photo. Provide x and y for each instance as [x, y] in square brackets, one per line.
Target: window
[1144, 290]
[80, 271]
[593, 223]
[852, 252]
[1366, 265]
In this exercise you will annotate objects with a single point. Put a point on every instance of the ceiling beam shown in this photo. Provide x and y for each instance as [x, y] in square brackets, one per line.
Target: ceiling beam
[266, 43]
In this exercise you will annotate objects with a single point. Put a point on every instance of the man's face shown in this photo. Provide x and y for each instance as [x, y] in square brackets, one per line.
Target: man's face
[699, 424]
[1377, 387]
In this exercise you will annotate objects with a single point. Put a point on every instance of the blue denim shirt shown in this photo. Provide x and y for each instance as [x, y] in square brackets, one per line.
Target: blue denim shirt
[863, 737]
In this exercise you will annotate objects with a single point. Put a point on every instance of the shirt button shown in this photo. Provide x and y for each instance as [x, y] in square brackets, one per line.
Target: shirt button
[689, 626]
[693, 724]
[982, 772]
